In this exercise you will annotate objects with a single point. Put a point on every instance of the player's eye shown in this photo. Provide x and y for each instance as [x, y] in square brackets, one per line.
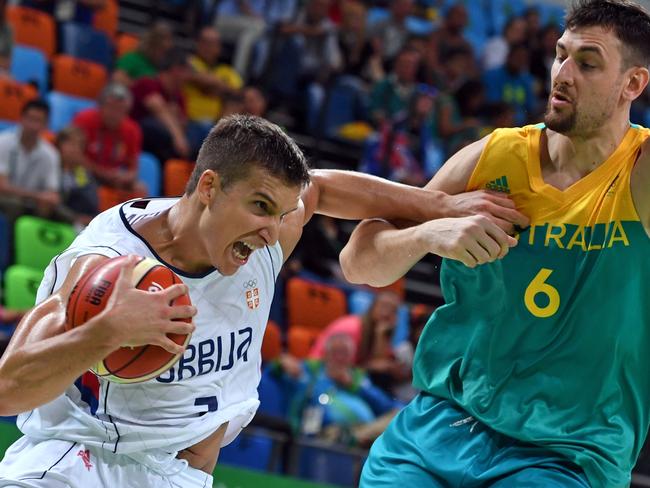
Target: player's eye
[262, 205]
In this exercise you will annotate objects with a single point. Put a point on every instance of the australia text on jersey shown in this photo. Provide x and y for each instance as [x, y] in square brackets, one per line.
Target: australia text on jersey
[211, 355]
[578, 237]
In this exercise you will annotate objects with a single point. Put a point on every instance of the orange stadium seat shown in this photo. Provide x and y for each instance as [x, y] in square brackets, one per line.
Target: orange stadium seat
[399, 288]
[77, 76]
[312, 304]
[126, 43]
[107, 19]
[109, 197]
[272, 342]
[175, 176]
[300, 341]
[33, 28]
[13, 95]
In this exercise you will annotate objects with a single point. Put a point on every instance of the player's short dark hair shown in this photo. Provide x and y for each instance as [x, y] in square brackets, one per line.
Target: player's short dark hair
[240, 142]
[36, 104]
[629, 21]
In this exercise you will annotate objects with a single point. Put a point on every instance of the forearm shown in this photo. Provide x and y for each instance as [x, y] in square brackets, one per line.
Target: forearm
[170, 122]
[356, 196]
[18, 192]
[39, 371]
[378, 254]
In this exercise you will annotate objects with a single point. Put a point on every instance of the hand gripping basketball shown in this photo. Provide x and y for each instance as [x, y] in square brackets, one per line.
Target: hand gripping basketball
[153, 320]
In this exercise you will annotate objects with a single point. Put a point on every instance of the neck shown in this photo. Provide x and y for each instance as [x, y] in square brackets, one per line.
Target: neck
[173, 234]
[585, 152]
[28, 141]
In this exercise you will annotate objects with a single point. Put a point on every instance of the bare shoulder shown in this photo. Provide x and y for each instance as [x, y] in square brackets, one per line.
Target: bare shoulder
[640, 182]
[454, 175]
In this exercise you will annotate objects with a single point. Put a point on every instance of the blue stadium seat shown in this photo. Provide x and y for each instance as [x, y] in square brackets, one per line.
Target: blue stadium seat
[419, 26]
[7, 124]
[64, 107]
[551, 14]
[250, 450]
[5, 242]
[376, 14]
[29, 64]
[284, 69]
[149, 173]
[328, 465]
[273, 398]
[83, 41]
[344, 103]
[500, 11]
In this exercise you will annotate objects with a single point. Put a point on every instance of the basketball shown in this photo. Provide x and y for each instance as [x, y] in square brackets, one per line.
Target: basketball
[91, 294]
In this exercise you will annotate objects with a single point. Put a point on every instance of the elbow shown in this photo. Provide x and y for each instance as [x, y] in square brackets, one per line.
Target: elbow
[356, 270]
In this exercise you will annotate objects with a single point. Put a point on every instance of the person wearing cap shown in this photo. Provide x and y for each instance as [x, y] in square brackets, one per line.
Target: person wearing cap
[114, 141]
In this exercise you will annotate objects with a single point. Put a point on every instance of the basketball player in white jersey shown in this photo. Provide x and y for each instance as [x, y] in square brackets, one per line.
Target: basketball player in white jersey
[227, 237]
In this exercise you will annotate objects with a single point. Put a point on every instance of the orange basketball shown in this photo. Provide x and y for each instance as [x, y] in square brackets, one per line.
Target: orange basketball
[89, 297]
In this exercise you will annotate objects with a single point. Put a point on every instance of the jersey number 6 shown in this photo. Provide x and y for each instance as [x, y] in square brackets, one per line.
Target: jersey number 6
[539, 287]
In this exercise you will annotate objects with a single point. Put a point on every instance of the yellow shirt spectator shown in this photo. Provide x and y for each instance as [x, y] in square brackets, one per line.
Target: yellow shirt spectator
[203, 106]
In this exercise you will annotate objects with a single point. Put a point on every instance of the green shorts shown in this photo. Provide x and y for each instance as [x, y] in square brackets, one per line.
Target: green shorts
[432, 443]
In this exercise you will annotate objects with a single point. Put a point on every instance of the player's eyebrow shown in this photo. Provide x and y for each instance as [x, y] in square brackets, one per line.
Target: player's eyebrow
[583, 49]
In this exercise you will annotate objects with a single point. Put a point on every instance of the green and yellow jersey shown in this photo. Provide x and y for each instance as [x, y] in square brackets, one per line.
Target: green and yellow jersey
[550, 344]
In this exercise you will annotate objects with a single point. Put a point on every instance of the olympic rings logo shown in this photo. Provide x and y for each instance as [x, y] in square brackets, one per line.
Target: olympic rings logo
[250, 284]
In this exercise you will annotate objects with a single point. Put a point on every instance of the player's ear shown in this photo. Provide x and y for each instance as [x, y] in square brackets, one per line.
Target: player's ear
[636, 83]
[208, 186]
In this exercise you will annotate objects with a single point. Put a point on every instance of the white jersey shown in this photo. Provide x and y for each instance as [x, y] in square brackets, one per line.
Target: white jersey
[214, 382]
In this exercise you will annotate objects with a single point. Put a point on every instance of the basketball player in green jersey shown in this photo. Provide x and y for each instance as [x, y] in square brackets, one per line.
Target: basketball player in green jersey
[536, 371]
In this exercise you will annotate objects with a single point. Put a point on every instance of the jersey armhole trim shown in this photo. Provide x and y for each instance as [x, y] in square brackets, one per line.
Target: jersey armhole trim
[470, 186]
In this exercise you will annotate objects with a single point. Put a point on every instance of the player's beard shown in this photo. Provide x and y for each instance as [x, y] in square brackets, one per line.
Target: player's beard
[557, 121]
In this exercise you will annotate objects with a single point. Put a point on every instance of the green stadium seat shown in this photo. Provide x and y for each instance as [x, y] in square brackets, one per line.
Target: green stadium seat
[37, 241]
[20, 286]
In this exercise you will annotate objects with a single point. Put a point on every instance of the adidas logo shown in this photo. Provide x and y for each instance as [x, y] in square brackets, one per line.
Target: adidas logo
[500, 184]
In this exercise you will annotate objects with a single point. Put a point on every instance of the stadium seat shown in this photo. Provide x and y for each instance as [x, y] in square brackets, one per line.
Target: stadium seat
[106, 20]
[126, 43]
[252, 451]
[33, 28]
[283, 72]
[273, 398]
[29, 64]
[418, 26]
[551, 14]
[500, 11]
[313, 304]
[272, 342]
[300, 340]
[13, 95]
[77, 77]
[20, 286]
[328, 464]
[37, 241]
[175, 176]
[149, 173]
[8, 125]
[9, 433]
[5, 240]
[64, 107]
[82, 41]
[377, 14]
[343, 104]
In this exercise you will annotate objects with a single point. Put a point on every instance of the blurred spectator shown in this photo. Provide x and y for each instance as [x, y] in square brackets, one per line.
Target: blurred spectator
[497, 115]
[393, 95]
[372, 334]
[448, 38]
[533, 28]
[155, 45]
[318, 250]
[208, 83]
[316, 34]
[159, 108]
[391, 34]
[113, 140]
[30, 172]
[456, 116]
[80, 11]
[244, 22]
[459, 67]
[78, 187]
[334, 399]
[513, 84]
[254, 101]
[496, 50]
[6, 41]
[361, 56]
[542, 59]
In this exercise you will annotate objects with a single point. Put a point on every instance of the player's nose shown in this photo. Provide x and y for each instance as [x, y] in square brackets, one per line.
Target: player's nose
[271, 232]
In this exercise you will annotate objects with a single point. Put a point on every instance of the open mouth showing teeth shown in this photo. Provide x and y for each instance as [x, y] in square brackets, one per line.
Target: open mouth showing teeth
[242, 250]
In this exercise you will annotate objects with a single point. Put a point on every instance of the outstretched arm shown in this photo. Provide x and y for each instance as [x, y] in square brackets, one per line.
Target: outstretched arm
[378, 252]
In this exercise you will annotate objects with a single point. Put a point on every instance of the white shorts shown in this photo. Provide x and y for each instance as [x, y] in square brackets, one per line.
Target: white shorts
[33, 463]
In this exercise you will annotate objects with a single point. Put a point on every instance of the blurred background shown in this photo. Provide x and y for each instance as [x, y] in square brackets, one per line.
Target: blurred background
[102, 101]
